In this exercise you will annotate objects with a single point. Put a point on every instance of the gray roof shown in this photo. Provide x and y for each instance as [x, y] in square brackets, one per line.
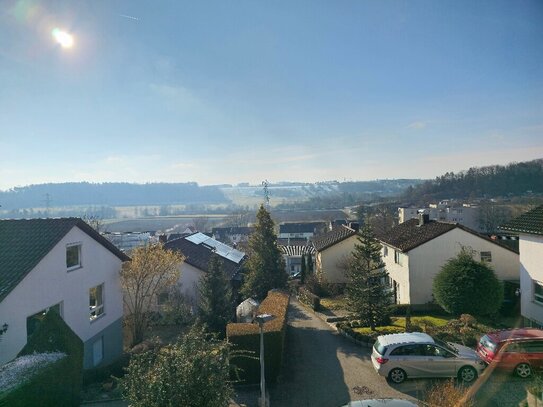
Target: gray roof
[530, 222]
[24, 242]
[333, 237]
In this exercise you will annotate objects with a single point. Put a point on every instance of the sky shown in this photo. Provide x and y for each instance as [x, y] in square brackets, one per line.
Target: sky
[242, 91]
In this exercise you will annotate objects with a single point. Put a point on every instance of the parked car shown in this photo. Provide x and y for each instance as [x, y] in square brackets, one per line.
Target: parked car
[416, 354]
[381, 403]
[516, 350]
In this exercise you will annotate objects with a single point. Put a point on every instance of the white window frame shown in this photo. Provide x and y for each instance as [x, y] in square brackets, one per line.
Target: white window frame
[487, 256]
[385, 251]
[79, 263]
[398, 257]
[96, 311]
[538, 298]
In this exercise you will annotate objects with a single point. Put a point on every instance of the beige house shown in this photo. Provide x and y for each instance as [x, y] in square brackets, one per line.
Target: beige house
[332, 250]
[415, 251]
[529, 226]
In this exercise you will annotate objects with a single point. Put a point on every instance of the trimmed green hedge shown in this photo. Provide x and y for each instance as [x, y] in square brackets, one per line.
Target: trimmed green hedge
[309, 299]
[58, 384]
[246, 340]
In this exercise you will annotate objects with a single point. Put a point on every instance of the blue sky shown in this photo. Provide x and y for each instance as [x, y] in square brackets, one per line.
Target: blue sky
[235, 91]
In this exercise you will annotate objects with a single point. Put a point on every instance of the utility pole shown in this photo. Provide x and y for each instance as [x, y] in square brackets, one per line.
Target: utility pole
[47, 204]
[265, 184]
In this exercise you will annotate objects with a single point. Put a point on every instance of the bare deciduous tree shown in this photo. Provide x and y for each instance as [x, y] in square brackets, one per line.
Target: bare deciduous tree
[151, 272]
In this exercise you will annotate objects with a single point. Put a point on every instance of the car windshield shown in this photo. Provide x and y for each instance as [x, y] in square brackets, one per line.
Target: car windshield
[380, 349]
[446, 345]
[488, 343]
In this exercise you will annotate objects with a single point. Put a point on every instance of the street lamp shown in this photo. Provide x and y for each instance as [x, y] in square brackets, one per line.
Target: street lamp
[261, 320]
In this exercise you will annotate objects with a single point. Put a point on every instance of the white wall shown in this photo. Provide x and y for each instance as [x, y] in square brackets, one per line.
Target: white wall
[330, 259]
[190, 277]
[399, 273]
[50, 283]
[531, 268]
[426, 261]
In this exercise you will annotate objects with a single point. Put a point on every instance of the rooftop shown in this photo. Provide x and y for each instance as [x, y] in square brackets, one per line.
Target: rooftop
[530, 222]
[336, 235]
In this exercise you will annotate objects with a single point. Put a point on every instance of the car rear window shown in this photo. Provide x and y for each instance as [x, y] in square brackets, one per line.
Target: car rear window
[488, 343]
[380, 349]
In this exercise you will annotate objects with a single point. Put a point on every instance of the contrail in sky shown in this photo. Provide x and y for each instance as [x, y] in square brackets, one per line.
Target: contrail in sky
[129, 17]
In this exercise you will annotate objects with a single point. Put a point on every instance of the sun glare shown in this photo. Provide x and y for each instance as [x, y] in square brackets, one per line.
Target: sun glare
[63, 38]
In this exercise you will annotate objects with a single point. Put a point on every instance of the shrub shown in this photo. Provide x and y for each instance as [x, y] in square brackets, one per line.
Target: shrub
[58, 384]
[309, 298]
[446, 394]
[246, 339]
[100, 374]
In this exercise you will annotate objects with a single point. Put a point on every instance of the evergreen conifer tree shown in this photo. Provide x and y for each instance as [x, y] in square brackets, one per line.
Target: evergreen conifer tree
[265, 268]
[215, 308]
[368, 295]
[309, 264]
[303, 270]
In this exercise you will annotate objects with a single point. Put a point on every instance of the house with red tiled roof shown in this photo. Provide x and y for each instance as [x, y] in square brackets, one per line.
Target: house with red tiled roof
[332, 249]
[529, 226]
[415, 251]
[63, 265]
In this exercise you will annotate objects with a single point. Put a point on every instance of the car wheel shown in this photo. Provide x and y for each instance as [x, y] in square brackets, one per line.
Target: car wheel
[397, 375]
[467, 374]
[523, 370]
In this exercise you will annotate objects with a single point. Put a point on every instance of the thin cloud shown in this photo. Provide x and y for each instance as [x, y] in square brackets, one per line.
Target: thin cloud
[129, 17]
[417, 125]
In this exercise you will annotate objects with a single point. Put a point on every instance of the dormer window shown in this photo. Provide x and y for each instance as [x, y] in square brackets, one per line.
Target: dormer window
[73, 256]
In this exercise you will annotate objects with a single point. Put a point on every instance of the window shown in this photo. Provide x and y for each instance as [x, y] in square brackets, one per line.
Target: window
[486, 256]
[34, 321]
[538, 292]
[73, 256]
[385, 251]
[397, 257]
[96, 301]
[97, 351]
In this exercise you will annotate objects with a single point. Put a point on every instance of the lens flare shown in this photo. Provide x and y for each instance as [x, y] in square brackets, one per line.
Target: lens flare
[63, 38]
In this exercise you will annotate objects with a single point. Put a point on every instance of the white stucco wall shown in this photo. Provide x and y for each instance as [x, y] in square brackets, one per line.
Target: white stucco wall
[50, 283]
[531, 268]
[190, 277]
[426, 261]
[399, 273]
[329, 260]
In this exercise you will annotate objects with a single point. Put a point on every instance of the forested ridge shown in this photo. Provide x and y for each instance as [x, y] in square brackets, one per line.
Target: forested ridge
[109, 193]
[514, 179]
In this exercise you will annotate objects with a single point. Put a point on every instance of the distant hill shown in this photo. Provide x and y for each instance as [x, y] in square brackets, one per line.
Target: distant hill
[515, 179]
[109, 194]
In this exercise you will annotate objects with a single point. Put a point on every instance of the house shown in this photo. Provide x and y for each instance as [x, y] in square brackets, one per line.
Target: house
[198, 249]
[332, 250]
[65, 265]
[415, 251]
[529, 226]
[232, 234]
[445, 211]
[293, 257]
[304, 230]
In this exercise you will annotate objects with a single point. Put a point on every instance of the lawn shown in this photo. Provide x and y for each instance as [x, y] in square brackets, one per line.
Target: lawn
[334, 303]
[398, 323]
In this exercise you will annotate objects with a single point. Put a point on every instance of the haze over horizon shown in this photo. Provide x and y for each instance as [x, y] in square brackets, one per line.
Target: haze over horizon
[219, 93]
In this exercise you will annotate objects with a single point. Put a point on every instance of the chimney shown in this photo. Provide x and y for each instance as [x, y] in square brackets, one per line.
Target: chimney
[162, 238]
[424, 218]
[354, 225]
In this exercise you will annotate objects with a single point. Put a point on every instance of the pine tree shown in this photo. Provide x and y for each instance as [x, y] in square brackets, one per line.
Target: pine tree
[265, 267]
[215, 308]
[309, 264]
[368, 295]
[303, 270]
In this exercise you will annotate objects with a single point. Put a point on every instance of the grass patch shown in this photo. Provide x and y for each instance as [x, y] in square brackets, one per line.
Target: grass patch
[334, 303]
[398, 323]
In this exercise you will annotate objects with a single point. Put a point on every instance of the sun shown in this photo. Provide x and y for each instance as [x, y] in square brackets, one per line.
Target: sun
[63, 38]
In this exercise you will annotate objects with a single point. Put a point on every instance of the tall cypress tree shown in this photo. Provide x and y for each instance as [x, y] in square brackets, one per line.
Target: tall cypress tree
[368, 295]
[265, 268]
[309, 264]
[303, 270]
[215, 307]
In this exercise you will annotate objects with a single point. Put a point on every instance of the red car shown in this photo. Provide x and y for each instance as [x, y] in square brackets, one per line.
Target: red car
[517, 350]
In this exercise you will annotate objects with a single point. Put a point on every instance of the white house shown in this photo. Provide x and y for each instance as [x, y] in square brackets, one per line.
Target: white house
[197, 249]
[305, 230]
[445, 211]
[529, 226]
[60, 264]
[415, 251]
[293, 257]
[332, 249]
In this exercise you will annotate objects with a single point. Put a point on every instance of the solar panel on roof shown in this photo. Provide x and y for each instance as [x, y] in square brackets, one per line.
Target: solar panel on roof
[221, 249]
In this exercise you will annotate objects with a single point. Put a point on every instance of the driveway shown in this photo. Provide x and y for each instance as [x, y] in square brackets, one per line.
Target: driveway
[322, 368]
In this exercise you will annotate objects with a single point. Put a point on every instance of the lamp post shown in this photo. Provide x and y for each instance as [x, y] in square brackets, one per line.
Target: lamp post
[261, 320]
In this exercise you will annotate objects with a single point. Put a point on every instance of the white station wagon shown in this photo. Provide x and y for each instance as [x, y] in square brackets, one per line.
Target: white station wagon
[416, 354]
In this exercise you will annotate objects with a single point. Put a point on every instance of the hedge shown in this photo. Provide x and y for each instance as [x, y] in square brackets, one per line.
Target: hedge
[309, 299]
[246, 340]
[58, 384]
